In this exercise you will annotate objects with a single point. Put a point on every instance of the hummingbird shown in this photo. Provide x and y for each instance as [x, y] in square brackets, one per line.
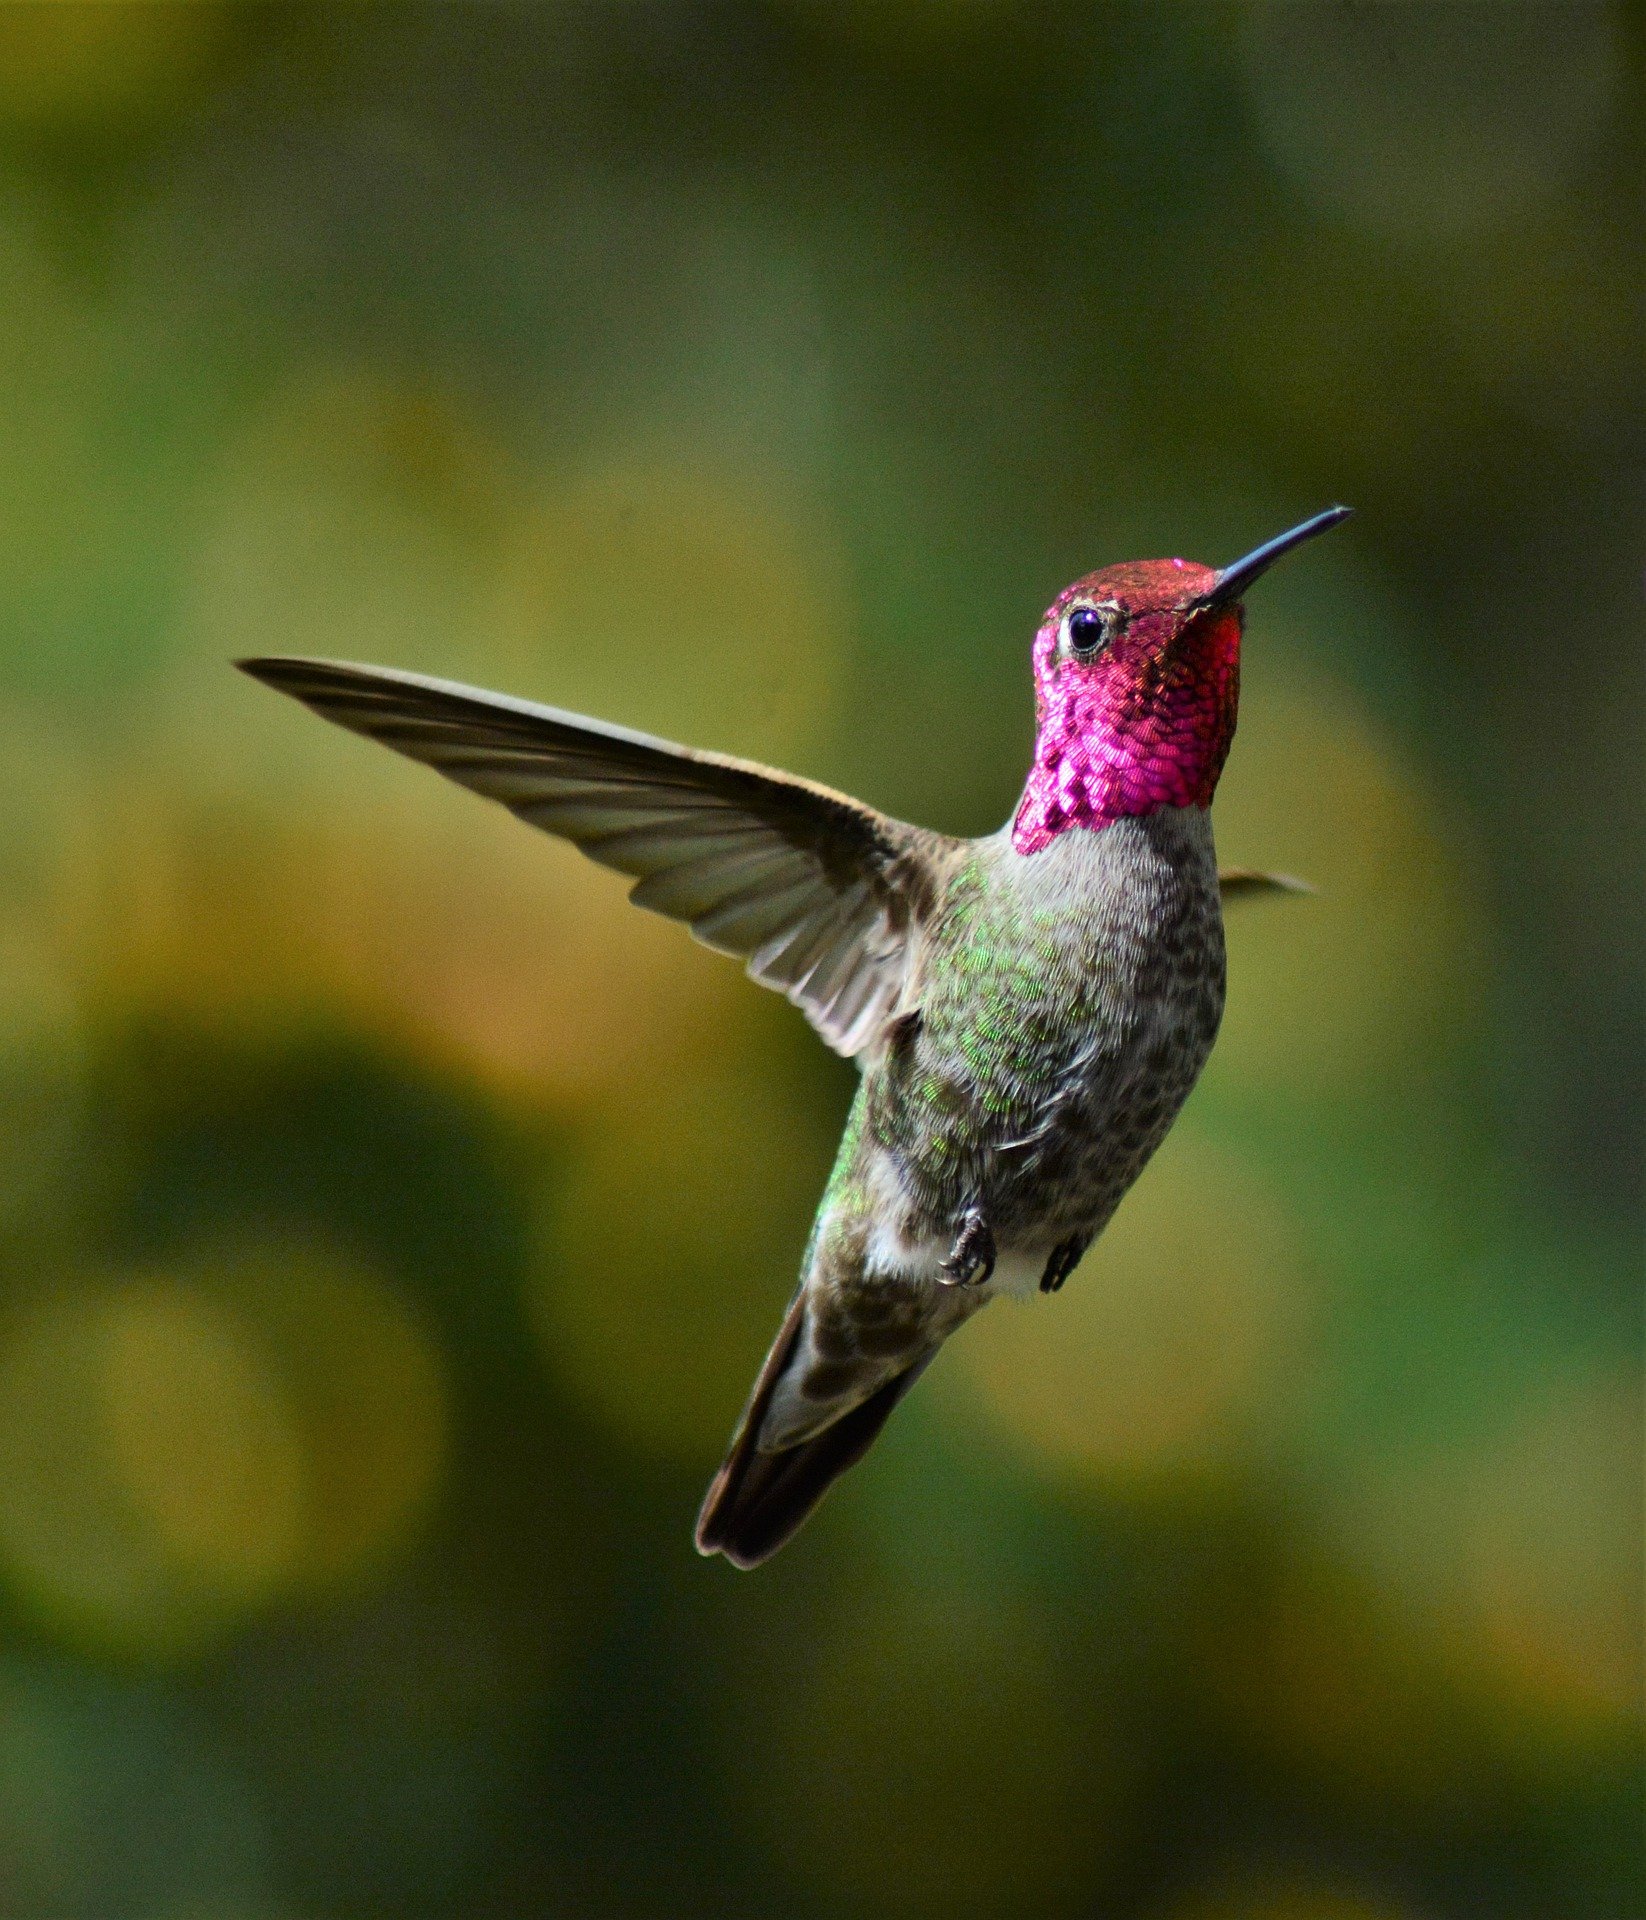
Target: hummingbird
[1028, 1010]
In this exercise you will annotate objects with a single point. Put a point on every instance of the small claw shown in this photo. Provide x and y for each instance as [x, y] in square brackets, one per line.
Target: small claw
[972, 1257]
[1065, 1257]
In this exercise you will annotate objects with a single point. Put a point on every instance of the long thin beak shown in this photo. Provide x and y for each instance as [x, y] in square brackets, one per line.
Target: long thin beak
[1233, 581]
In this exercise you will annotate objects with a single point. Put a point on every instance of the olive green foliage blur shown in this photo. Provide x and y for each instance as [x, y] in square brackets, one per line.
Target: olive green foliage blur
[391, 1218]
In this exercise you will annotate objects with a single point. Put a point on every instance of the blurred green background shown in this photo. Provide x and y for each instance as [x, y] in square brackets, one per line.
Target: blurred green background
[391, 1219]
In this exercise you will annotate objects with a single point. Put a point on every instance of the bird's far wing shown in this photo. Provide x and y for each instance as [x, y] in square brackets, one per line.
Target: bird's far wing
[816, 891]
[1244, 883]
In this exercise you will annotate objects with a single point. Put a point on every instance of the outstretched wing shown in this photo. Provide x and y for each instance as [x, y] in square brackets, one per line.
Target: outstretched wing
[1243, 883]
[816, 891]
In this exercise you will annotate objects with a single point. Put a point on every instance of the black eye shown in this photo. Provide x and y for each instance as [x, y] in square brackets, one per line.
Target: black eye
[1087, 630]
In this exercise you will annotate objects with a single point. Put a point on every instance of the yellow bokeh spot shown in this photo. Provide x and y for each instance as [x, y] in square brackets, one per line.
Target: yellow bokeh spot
[1520, 1545]
[679, 599]
[365, 520]
[200, 1436]
[1165, 1349]
[182, 1448]
[670, 1247]
[1551, 1552]
[367, 1387]
[152, 1485]
[75, 66]
[1341, 990]
[356, 518]
[1485, 1596]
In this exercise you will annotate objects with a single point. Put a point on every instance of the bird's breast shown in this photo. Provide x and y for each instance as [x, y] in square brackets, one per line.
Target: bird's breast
[1067, 1004]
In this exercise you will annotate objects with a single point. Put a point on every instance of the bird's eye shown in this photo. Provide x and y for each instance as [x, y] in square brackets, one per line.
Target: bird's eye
[1087, 630]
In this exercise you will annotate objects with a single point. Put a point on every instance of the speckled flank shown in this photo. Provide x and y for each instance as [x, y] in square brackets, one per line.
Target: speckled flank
[1144, 724]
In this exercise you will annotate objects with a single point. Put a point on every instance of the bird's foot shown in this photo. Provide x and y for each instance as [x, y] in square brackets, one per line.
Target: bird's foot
[1065, 1257]
[971, 1258]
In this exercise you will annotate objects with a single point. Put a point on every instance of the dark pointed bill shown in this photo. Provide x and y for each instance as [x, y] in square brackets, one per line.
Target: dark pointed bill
[1233, 581]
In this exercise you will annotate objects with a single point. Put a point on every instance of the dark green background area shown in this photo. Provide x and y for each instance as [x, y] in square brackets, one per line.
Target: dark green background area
[391, 1220]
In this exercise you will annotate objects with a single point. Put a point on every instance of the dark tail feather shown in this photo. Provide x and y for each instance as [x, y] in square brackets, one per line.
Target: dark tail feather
[757, 1501]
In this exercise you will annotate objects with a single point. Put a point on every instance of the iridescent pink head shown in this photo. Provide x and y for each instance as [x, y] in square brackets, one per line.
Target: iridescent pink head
[1137, 680]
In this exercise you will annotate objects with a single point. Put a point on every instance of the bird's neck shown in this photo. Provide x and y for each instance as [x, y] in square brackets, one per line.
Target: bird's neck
[1103, 755]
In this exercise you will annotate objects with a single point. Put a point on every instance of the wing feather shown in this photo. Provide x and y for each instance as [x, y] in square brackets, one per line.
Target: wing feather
[1246, 883]
[818, 893]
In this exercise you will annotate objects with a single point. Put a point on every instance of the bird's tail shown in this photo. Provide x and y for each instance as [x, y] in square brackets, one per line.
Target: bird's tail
[759, 1497]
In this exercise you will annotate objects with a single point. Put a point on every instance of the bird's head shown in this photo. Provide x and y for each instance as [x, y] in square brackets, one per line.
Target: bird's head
[1137, 682]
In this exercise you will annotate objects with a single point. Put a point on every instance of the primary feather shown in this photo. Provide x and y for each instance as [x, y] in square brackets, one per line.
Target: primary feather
[815, 891]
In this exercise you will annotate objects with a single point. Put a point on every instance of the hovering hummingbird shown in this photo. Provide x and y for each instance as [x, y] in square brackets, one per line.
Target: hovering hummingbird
[1028, 1010]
